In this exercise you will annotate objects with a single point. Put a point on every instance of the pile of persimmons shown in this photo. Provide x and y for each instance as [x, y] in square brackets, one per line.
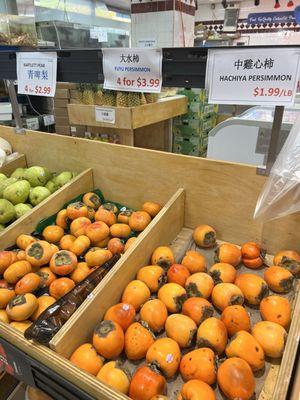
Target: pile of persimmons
[86, 234]
[190, 319]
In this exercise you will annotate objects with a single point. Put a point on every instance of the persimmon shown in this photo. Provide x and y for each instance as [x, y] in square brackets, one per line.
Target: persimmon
[54, 248]
[222, 273]
[114, 375]
[66, 242]
[21, 326]
[198, 309]
[60, 287]
[5, 285]
[254, 288]
[228, 253]
[147, 382]
[151, 208]
[80, 245]
[6, 259]
[236, 319]
[199, 285]
[24, 241]
[279, 279]
[253, 255]
[173, 296]
[63, 262]
[103, 244]
[80, 272]
[181, 328]
[138, 339]
[120, 230]
[85, 357]
[205, 236]
[235, 379]
[199, 364]
[6, 295]
[39, 253]
[62, 219]
[97, 231]
[226, 294]
[91, 199]
[77, 210]
[16, 271]
[108, 339]
[253, 263]
[43, 303]
[130, 242]
[196, 390]
[245, 346]
[166, 353]
[21, 255]
[47, 276]
[271, 336]
[136, 293]
[28, 284]
[122, 313]
[276, 309]
[154, 313]
[91, 213]
[124, 216]
[106, 216]
[194, 262]
[110, 207]
[163, 256]
[115, 246]
[177, 273]
[153, 275]
[4, 317]
[79, 226]
[53, 233]
[21, 307]
[97, 257]
[139, 220]
[288, 259]
[212, 333]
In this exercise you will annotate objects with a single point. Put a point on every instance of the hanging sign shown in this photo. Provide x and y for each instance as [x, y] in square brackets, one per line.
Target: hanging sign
[133, 70]
[253, 76]
[271, 18]
[36, 73]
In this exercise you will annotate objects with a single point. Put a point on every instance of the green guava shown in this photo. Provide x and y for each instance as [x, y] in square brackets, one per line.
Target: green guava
[38, 194]
[17, 192]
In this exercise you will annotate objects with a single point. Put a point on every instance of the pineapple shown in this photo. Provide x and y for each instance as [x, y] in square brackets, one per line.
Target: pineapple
[98, 95]
[109, 98]
[143, 99]
[134, 99]
[151, 97]
[88, 94]
[122, 99]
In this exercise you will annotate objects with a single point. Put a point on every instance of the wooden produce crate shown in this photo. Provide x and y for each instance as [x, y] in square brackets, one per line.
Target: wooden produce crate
[9, 166]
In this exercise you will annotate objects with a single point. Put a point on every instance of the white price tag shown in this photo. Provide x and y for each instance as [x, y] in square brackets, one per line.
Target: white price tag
[147, 43]
[133, 70]
[36, 73]
[107, 115]
[253, 76]
[49, 119]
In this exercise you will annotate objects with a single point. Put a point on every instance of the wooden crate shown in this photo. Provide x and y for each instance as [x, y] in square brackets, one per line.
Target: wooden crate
[18, 162]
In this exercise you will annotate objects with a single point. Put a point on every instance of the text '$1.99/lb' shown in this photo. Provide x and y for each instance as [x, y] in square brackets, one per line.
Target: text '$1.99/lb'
[276, 92]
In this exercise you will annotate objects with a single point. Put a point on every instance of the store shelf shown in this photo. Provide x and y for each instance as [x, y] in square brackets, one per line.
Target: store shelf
[130, 117]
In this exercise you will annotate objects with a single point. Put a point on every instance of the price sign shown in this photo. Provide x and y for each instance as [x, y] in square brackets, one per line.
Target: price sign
[36, 73]
[107, 115]
[253, 76]
[133, 70]
[49, 119]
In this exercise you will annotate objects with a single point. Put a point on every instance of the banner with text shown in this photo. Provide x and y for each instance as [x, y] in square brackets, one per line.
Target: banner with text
[132, 70]
[253, 76]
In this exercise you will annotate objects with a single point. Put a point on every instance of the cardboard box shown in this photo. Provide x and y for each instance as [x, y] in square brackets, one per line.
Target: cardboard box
[63, 130]
[61, 112]
[62, 121]
[62, 94]
[61, 102]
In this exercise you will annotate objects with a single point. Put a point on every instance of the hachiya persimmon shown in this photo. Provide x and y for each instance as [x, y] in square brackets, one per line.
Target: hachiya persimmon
[106, 216]
[138, 339]
[198, 309]
[39, 253]
[199, 285]
[228, 253]
[63, 262]
[153, 276]
[108, 339]
[181, 328]
[194, 262]
[124, 216]
[177, 273]
[173, 295]
[80, 245]
[147, 382]
[97, 231]
[235, 379]
[212, 333]
[154, 313]
[76, 210]
[103, 244]
[53, 233]
[163, 256]
[236, 319]
[21, 307]
[199, 364]
[205, 236]
[86, 358]
[28, 284]
[165, 352]
[91, 199]
[226, 294]
[253, 255]
[21, 255]
[6, 259]
[6, 295]
[60, 287]
[115, 246]
[79, 226]
[122, 313]
[54, 248]
[276, 309]
[62, 219]
[139, 220]
[254, 288]
[222, 273]
[80, 272]
[151, 208]
[4, 317]
[21, 326]
[120, 230]
[47, 276]
[271, 336]
[130, 242]
[110, 207]
[16, 271]
[114, 375]
[279, 279]
[66, 242]
[136, 293]
[245, 346]
[195, 389]
[43, 303]
[288, 259]
[97, 257]
[24, 241]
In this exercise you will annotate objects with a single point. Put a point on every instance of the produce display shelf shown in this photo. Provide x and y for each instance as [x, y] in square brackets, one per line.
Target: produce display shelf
[9, 166]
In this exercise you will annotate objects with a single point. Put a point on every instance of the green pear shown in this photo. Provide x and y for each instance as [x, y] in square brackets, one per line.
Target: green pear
[5, 183]
[22, 209]
[49, 174]
[36, 176]
[2, 227]
[19, 173]
[17, 192]
[2, 177]
[38, 194]
[63, 178]
[52, 186]
[7, 211]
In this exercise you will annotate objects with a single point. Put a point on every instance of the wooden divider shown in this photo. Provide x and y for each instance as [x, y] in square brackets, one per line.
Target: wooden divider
[18, 162]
